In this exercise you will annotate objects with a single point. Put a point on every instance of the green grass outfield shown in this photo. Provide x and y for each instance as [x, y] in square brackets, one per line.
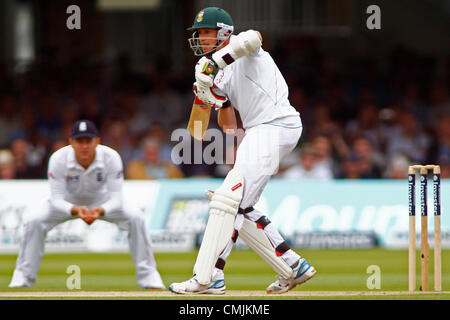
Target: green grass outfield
[341, 275]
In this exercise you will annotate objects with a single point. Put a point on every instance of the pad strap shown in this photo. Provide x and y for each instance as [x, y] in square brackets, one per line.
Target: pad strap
[246, 210]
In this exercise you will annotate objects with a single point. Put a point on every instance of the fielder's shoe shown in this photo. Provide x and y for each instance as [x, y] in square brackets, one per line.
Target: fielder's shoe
[19, 285]
[19, 280]
[302, 273]
[192, 286]
[156, 282]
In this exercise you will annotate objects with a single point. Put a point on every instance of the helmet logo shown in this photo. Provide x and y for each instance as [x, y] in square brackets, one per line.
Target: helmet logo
[200, 16]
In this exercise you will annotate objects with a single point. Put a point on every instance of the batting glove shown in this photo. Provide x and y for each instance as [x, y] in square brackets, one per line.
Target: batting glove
[205, 72]
[212, 96]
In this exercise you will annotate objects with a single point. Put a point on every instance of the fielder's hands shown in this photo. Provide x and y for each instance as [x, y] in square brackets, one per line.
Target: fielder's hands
[87, 216]
[96, 212]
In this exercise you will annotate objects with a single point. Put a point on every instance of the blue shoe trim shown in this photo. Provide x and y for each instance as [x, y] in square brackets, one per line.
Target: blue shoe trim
[301, 267]
[217, 284]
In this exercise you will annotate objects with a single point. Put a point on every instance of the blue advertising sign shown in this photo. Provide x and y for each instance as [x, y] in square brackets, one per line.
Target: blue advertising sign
[305, 207]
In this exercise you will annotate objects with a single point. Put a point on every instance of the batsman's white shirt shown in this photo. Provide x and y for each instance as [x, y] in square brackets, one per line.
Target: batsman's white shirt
[257, 89]
[99, 185]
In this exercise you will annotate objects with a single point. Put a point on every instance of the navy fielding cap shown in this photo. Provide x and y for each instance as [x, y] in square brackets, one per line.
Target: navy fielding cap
[84, 129]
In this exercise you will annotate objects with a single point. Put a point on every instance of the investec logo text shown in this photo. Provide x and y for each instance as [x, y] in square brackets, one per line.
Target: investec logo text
[411, 195]
[437, 194]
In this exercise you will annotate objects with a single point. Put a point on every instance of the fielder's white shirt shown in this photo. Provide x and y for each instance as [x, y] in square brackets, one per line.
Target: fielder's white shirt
[256, 88]
[98, 185]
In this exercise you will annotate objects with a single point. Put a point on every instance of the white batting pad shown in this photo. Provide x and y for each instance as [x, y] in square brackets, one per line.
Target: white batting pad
[219, 229]
[258, 241]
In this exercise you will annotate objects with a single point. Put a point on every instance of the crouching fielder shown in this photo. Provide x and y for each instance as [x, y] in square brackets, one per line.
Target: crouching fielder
[85, 182]
[235, 72]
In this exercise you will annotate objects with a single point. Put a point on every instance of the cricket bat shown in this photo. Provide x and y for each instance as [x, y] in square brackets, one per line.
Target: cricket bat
[199, 119]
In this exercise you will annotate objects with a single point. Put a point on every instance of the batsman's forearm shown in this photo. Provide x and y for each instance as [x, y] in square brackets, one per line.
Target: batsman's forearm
[227, 119]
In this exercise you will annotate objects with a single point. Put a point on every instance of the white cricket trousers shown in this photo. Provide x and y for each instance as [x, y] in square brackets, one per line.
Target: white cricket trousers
[39, 224]
[257, 159]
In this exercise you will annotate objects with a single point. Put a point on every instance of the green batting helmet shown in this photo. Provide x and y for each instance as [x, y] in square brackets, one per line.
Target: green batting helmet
[214, 18]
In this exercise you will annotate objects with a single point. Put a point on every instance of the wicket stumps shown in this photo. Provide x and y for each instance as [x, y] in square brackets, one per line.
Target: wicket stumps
[424, 246]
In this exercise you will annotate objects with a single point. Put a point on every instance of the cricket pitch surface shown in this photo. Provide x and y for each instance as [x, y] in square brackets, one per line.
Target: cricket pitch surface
[247, 294]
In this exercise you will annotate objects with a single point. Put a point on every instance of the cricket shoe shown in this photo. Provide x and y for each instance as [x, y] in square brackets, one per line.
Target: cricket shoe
[19, 280]
[192, 286]
[303, 272]
[156, 282]
[19, 285]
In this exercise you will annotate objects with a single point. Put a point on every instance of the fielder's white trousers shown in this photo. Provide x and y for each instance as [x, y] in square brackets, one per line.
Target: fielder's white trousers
[40, 223]
[257, 159]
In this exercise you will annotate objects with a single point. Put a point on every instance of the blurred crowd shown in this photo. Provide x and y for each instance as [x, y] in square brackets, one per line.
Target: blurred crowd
[362, 118]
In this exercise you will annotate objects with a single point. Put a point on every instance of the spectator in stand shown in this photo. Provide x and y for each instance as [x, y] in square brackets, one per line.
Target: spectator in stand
[117, 137]
[397, 168]
[351, 168]
[7, 168]
[23, 157]
[306, 167]
[408, 139]
[372, 162]
[366, 125]
[322, 124]
[158, 131]
[151, 166]
[388, 125]
[323, 150]
[9, 121]
[327, 131]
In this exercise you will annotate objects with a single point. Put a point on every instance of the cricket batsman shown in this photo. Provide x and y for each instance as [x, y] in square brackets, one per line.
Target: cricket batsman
[234, 72]
[85, 180]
